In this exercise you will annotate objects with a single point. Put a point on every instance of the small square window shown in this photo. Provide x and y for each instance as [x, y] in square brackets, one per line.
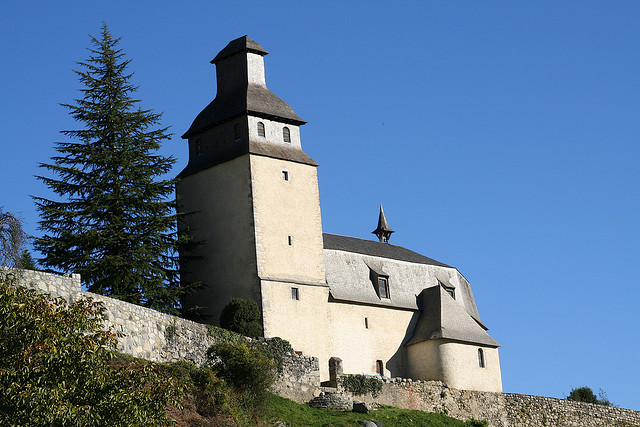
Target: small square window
[295, 294]
[285, 175]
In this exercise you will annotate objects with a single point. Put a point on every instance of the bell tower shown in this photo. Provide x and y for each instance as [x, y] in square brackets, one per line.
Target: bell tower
[250, 192]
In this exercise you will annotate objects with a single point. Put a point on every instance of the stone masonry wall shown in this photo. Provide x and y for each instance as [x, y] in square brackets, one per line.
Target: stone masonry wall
[148, 334]
[160, 337]
[500, 409]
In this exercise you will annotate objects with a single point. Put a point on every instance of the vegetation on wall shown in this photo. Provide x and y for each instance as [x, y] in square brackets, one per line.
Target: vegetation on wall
[242, 316]
[114, 222]
[55, 370]
[361, 384]
[585, 394]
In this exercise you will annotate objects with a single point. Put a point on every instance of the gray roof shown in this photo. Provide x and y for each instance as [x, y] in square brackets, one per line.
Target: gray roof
[239, 45]
[245, 99]
[223, 153]
[373, 248]
[441, 317]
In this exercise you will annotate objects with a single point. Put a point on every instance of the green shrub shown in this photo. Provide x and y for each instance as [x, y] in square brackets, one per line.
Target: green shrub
[221, 335]
[361, 384]
[55, 370]
[242, 316]
[585, 394]
[247, 368]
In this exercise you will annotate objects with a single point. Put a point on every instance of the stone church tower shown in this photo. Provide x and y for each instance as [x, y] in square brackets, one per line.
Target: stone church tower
[252, 193]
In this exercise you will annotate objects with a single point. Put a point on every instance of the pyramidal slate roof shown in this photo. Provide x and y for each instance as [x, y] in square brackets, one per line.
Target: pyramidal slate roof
[247, 99]
[239, 45]
[373, 248]
[442, 317]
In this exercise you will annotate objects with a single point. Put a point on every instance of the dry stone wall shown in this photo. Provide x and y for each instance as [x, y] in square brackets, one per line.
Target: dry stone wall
[160, 337]
[147, 333]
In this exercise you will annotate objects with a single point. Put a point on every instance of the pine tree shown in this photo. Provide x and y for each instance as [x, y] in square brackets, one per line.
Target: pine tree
[116, 223]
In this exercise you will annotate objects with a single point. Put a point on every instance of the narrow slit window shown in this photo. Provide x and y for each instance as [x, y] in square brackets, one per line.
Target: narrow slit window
[285, 175]
[366, 323]
[295, 294]
[236, 131]
[261, 129]
[290, 240]
[286, 134]
[198, 146]
[481, 358]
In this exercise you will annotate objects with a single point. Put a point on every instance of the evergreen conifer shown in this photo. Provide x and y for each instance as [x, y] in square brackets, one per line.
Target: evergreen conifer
[116, 222]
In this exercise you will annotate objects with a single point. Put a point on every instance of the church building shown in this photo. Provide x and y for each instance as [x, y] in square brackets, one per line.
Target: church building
[253, 202]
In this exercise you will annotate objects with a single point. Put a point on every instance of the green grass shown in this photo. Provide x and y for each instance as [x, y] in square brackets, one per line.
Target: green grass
[294, 414]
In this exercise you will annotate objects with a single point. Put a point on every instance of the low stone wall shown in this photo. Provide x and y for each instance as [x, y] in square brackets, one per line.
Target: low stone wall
[500, 409]
[525, 410]
[148, 334]
[160, 337]
[300, 379]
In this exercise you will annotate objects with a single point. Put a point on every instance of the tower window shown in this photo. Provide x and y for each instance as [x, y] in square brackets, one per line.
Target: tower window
[449, 289]
[198, 146]
[261, 129]
[383, 286]
[236, 131]
[481, 358]
[366, 323]
[285, 175]
[286, 134]
[290, 240]
[295, 294]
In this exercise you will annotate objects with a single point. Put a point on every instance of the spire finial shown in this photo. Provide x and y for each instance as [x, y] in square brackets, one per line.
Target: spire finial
[383, 231]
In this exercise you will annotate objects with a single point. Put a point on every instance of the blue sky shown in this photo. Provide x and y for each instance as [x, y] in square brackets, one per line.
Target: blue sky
[501, 138]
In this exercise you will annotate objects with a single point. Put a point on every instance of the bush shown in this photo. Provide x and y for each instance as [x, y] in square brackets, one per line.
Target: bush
[585, 394]
[242, 316]
[54, 367]
[248, 369]
[361, 384]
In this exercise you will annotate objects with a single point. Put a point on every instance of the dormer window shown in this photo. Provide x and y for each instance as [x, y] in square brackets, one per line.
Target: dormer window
[449, 289]
[286, 134]
[261, 129]
[383, 287]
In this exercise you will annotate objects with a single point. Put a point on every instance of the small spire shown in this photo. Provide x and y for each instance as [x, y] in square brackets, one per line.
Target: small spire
[383, 231]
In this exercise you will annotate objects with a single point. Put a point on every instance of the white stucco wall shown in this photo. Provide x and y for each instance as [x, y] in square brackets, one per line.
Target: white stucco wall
[456, 364]
[219, 200]
[282, 209]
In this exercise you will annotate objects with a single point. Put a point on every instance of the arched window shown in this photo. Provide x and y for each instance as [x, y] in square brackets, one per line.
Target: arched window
[286, 134]
[481, 358]
[260, 129]
[236, 131]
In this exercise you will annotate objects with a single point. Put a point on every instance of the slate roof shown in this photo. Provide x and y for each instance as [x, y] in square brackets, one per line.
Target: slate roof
[239, 45]
[373, 248]
[248, 99]
[442, 317]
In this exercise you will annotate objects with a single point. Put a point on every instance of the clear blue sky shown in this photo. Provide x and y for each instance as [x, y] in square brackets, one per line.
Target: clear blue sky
[501, 137]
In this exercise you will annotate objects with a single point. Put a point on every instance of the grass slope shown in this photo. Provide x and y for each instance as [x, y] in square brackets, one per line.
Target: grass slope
[294, 414]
